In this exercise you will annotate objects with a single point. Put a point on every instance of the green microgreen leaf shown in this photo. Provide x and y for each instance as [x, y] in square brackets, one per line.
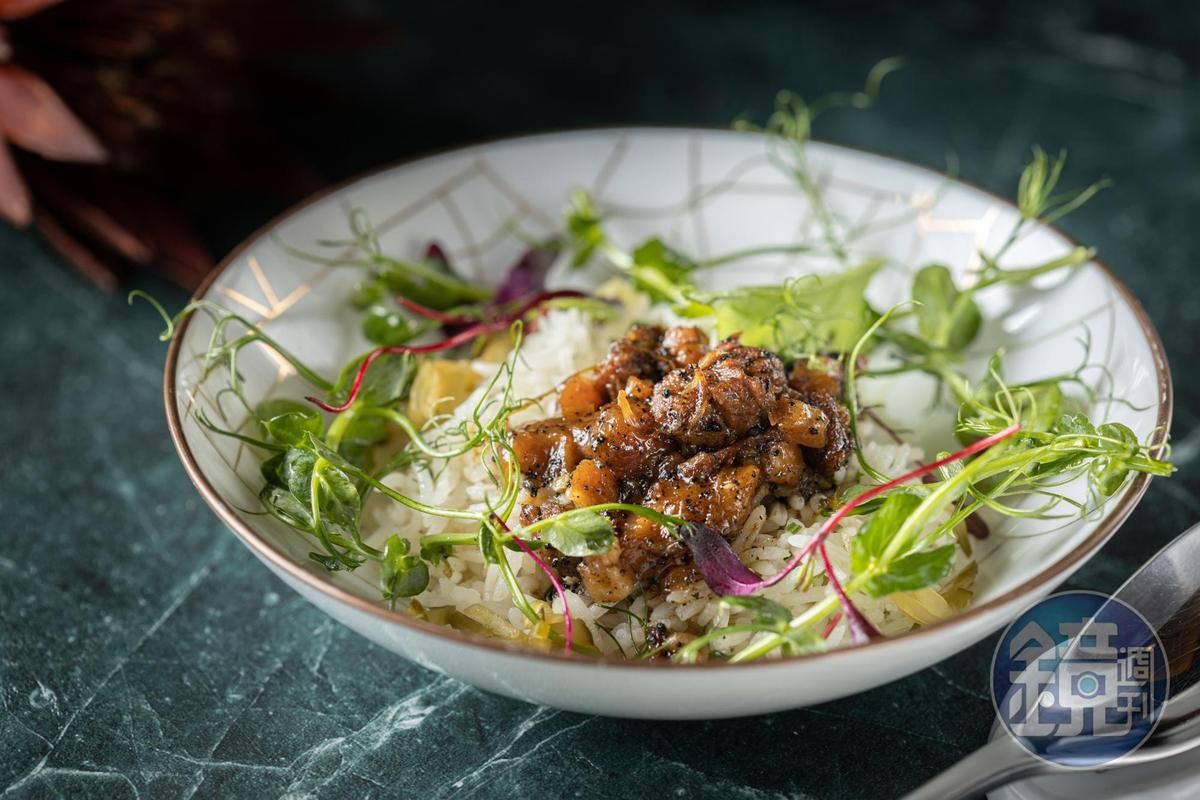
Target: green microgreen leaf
[1108, 475]
[764, 611]
[803, 316]
[1121, 433]
[333, 518]
[428, 282]
[386, 326]
[1120, 444]
[584, 228]
[296, 472]
[874, 504]
[387, 381]
[284, 506]
[912, 572]
[338, 500]
[292, 427]
[1075, 424]
[486, 542]
[360, 436]
[278, 405]
[1040, 405]
[798, 641]
[336, 506]
[873, 540]
[371, 291]
[271, 469]
[947, 318]
[581, 532]
[1036, 198]
[401, 574]
[661, 272]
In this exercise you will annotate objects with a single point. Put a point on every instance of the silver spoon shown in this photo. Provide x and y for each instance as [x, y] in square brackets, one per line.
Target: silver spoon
[1166, 591]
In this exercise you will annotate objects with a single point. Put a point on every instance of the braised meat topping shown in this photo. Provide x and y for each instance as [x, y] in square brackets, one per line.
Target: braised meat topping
[729, 392]
[670, 423]
[819, 384]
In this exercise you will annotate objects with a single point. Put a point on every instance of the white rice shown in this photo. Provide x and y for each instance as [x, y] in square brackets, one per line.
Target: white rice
[565, 342]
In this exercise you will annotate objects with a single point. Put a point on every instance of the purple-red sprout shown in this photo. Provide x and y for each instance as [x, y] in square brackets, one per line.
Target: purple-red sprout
[861, 631]
[719, 565]
[527, 275]
[524, 278]
[435, 252]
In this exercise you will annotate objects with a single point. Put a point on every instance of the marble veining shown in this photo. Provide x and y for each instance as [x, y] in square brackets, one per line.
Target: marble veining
[144, 653]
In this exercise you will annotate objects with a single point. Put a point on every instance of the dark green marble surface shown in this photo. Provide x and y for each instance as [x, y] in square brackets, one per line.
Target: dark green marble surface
[145, 653]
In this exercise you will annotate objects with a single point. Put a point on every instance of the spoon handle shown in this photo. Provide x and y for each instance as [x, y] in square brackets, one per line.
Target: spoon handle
[998, 763]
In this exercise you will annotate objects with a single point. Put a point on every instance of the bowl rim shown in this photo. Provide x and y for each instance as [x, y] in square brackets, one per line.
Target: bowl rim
[265, 550]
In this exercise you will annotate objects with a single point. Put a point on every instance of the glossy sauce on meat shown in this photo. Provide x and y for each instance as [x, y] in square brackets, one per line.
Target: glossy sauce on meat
[700, 432]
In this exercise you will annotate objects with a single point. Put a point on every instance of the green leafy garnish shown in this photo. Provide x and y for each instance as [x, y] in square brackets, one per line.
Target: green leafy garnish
[401, 574]
[582, 532]
[387, 380]
[387, 326]
[801, 316]
[288, 427]
[766, 616]
[947, 319]
[428, 281]
[1036, 199]
[764, 611]
[661, 272]
[868, 547]
[584, 229]
[912, 572]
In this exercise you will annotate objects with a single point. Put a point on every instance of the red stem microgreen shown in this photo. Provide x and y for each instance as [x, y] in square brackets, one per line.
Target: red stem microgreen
[433, 313]
[861, 631]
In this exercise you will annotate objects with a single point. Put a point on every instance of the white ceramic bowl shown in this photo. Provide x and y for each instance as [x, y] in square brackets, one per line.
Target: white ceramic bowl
[708, 192]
